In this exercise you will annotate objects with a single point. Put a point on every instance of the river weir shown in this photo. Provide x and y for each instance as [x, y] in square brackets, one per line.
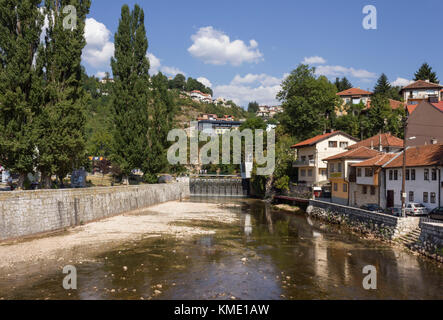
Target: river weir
[219, 186]
[221, 249]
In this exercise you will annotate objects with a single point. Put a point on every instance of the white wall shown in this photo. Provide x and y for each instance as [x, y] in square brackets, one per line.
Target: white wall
[418, 186]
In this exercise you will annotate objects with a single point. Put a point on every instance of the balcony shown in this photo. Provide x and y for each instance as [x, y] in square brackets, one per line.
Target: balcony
[303, 163]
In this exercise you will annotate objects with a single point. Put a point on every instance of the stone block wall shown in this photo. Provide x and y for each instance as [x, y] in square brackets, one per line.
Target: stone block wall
[24, 213]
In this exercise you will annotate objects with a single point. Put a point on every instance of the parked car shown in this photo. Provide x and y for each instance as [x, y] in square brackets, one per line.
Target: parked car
[436, 214]
[372, 207]
[416, 209]
[395, 211]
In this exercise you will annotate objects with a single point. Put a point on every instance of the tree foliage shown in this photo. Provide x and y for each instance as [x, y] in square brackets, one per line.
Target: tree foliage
[425, 73]
[253, 107]
[342, 84]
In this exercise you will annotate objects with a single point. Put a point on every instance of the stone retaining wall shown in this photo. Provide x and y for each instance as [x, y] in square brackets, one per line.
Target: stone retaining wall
[431, 240]
[25, 213]
[378, 224]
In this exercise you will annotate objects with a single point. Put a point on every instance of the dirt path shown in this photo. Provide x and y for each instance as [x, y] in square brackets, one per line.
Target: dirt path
[85, 242]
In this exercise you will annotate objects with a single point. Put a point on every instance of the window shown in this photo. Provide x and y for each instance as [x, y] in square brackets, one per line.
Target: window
[390, 174]
[411, 196]
[339, 167]
[332, 144]
[365, 189]
[310, 173]
[425, 197]
[432, 197]
[426, 174]
[412, 174]
[407, 174]
[395, 174]
[434, 174]
[368, 172]
[303, 173]
[335, 187]
[345, 187]
[303, 158]
[372, 190]
[359, 172]
[343, 145]
[332, 167]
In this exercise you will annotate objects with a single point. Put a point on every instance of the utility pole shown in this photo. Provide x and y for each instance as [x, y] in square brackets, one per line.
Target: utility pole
[403, 175]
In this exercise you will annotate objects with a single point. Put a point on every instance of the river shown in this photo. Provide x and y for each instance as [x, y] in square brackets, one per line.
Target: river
[266, 254]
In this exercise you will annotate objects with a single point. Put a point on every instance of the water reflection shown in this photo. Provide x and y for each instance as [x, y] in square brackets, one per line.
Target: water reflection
[267, 255]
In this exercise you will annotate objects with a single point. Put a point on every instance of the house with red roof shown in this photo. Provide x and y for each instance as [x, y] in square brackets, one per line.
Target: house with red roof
[425, 123]
[383, 142]
[421, 90]
[312, 170]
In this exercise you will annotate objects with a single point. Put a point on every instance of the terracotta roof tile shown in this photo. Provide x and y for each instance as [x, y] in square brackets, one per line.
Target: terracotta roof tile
[439, 105]
[377, 161]
[359, 153]
[411, 108]
[354, 91]
[426, 155]
[387, 140]
[316, 139]
[395, 104]
[421, 84]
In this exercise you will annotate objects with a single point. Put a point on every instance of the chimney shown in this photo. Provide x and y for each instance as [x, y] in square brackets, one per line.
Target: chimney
[427, 80]
[433, 141]
[380, 147]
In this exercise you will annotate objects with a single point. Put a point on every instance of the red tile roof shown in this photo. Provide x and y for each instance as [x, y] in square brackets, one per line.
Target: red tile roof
[316, 139]
[425, 155]
[421, 84]
[411, 108]
[377, 161]
[359, 153]
[393, 103]
[387, 140]
[354, 92]
[438, 105]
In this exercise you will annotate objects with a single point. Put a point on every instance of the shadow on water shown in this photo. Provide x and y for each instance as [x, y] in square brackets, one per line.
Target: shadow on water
[267, 255]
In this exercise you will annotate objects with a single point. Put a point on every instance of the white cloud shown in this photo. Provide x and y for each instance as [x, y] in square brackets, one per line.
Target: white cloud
[262, 88]
[156, 66]
[215, 47]
[205, 81]
[98, 50]
[100, 74]
[340, 71]
[314, 60]
[401, 82]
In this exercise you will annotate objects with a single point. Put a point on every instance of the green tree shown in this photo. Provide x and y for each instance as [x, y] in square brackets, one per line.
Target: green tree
[20, 28]
[253, 107]
[425, 73]
[308, 102]
[382, 86]
[61, 124]
[342, 84]
[130, 94]
[179, 82]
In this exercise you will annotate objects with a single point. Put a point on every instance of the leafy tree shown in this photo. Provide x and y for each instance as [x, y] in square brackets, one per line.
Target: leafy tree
[130, 94]
[425, 73]
[193, 84]
[253, 107]
[61, 124]
[308, 102]
[381, 118]
[20, 28]
[342, 84]
[179, 82]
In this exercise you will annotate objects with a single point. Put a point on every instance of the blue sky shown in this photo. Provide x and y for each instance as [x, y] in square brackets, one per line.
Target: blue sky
[244, 48]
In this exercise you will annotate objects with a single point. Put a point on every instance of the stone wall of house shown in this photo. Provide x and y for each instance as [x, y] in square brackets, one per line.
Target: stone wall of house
[377, 224]
[24, 213]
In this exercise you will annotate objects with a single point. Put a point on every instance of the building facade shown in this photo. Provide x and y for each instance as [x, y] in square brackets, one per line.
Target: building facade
[312, 170]
[425, 124]
[421, 90]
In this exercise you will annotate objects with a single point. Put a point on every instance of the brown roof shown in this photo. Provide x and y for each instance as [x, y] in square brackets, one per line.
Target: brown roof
[377, 161]
[316, 139]
[359, 153]
[425, 155]
[354, 91]
[395, 104]
[421, 84]
[387, 140]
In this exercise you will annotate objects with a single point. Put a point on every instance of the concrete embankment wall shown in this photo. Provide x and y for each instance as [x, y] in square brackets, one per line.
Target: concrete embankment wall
[25, 213]
[378, 224]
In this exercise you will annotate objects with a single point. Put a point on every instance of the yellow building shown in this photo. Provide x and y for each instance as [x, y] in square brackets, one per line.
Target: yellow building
[340, 172]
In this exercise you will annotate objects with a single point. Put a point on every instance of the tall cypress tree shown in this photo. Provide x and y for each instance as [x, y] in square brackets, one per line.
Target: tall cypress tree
[61, 124]
[130, 67]
[20, 27]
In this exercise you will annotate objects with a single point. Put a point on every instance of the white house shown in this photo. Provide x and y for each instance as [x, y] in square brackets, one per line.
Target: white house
[421, 90]
[424, 181]
[200, 96]
[312, 170]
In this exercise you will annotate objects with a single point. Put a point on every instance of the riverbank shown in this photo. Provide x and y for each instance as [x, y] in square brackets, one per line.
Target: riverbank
[83, 243]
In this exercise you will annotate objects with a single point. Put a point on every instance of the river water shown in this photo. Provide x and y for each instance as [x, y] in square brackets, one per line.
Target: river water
[266, 255]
